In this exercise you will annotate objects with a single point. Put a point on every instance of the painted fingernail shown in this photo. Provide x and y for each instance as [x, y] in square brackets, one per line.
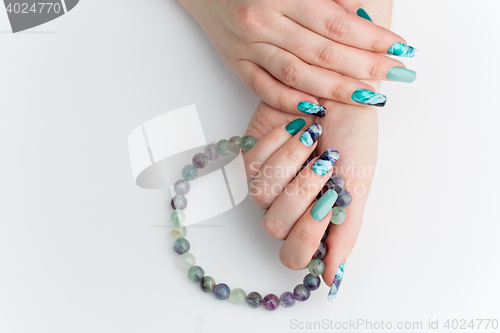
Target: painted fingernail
[295, 126]
[402, 50]
[311, 134]
[311, 108]
[336, 283]
[368, 97]
[326, 161]
[362, 13]
[401, 74]
[324, 205]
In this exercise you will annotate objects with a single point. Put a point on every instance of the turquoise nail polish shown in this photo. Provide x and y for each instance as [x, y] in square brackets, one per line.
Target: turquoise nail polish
[336, 283]
[295, 126]
[311, 134]
[368, 97]
[326, 161]
[311, 108]
[402, 50]
[362, 13]
[401, 74]
[324, 205]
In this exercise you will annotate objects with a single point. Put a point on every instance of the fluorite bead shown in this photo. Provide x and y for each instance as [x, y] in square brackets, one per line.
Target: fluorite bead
[316, 267]
[237, 296]
[187, 260]
[178, 231]
[338, 215]
[311, 282]
[200, 161]
[177, 217]
[181, 245]
[287, 300]
[182, 187]
[321, 251]
[344, 199]
[254, 300]
[207, 284]
[247, 142]
[301, 293]
[211, 152]
[179, 202]
[222, 148]
[221, 291]
[271, 302]
[189, 172]
[196, 273]
[336, 183]
[234, 144]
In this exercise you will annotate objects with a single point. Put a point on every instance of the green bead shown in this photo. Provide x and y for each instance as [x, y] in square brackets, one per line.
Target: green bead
[189, 172]
[248, 142]
[338, 215]
[207, 284]
[234, 144]
[316, 267]
[179, 231]
[177, 217]
[237, 296]
[196, 273]
[222, 148]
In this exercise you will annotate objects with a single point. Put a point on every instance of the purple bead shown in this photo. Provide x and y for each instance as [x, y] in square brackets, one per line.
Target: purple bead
[321, 251]
[179, 202]
[182, 187]
[254, 300]
[301, 293]
[200, 161]
[312, 282]
[221, 291]
[324, 235]
[211, 152]
[181, 245]
[336, 183]
[344, 199]
[287, 300]
[271, 302]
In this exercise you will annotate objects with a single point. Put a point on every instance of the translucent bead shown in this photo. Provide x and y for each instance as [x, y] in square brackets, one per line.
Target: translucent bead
[311, 282]
[187, 260]
[321, 251]
[207, 284]
[247, 142]
[177, 217]
[316, 267]
[189, 172]
[234, 144]
[301, 293]
[181, 246]
[179, 231]
[344, 199]
[237, 296]
[179, 202]
[287, 300]
[221, 291]
[254, 300]
[181, 187]
[271, 302]
[211, 152]
[196, 273]
[222, 148]
[336, 183]
[338, 215]
[200, 161]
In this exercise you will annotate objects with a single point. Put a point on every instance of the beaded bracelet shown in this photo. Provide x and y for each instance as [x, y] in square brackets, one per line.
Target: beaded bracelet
[221, 291]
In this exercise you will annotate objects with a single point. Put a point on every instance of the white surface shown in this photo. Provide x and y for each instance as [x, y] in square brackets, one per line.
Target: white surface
[77, 250]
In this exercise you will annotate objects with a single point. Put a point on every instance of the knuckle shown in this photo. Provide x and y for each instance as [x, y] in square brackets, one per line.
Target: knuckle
[282, 101]
[373, 70]
[256, 83]
[326, 56]
[259, 197]
[377, 42]
[308, 190]
[336, 27]
[305, 237]
[335, 89]
[290, 74]
[273, 228]
[348, 243]
[294, 156]
[290, 261]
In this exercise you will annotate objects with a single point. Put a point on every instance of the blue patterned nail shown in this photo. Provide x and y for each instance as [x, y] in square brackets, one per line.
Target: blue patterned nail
[336, 283]
[311, 134]
[326, 161]
[402, 50]
[311, 108]
[368, 97]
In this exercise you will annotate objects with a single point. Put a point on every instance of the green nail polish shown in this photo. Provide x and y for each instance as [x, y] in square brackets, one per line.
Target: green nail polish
[368, 97]
[295, 126]
[323, 205]
[362, 13]
[402, 50]
[401, 74]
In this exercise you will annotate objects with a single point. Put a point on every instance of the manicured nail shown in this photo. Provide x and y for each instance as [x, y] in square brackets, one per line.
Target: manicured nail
[368, 97]
[362, 13]
[311, 134]
[295, 126]
[336, 283]
[311, 108]
[326, 161]
[401, 74]
[324, 205]
[402, 50]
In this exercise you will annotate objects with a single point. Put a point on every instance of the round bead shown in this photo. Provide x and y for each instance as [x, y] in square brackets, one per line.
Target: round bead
[177, 217]
[179, 202]
[221, 291]
[321, 251]
[301, 293]
[344, 199]
[254, 300]
[316, 267]
[271, 302]
[196, 273]
[211, 152]
[207, 284]
[336, 183]
[200, 161]
[222, 148]
[248, 142]
[234, 144]
[187, 260]
[181, 187]
[338, 215]
[178, 231]
[311, 282]
[181, 245]
[287, 300]
[237, 296]
[189, 172]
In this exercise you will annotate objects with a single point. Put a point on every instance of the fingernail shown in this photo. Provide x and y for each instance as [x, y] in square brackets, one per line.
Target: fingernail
[326, 161]
[311, 134]
[368, 97]
[336, 283]
[402, 50]
[295, 126]
[324, 205]
[362, 13]
[311, 108]
[401, 74]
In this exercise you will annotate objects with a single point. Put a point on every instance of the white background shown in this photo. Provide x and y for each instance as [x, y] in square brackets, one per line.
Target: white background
[79, 250]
